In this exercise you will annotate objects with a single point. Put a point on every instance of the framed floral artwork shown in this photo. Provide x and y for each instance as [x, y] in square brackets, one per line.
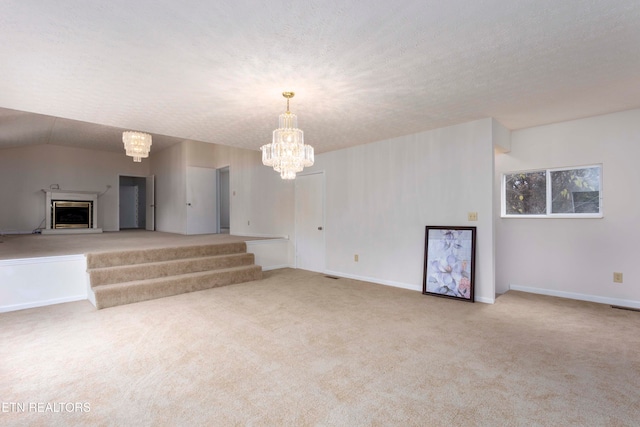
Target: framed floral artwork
[449, 261]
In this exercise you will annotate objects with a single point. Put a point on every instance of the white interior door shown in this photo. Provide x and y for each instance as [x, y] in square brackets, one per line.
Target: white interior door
[309, 222]
[150, 212]
[202, 215]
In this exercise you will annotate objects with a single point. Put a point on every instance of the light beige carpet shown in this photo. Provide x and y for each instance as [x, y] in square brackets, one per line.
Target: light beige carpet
[38, 245]
[300, 349]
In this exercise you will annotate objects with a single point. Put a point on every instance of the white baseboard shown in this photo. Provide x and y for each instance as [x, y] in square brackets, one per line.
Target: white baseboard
[11, 232]
[394, 284]
[377, 281]
[276, 267]
[265, 236]
[15, 307]
[576, 296]
[268, 241]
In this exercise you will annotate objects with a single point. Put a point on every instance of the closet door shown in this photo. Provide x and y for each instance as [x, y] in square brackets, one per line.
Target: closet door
[202, 212]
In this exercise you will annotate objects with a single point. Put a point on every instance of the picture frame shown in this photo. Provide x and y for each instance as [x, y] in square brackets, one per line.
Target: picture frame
[449, 262]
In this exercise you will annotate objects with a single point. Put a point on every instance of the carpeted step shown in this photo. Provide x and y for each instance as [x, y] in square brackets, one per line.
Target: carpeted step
[154, 270]
[142, 256]
[142, 290]
[125, 277]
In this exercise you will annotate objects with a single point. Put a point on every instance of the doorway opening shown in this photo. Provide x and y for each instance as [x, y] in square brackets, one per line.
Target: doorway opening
[133, 202]
[224, 201]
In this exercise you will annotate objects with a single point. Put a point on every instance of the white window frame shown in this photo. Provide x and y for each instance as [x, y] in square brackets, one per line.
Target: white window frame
[549, 214]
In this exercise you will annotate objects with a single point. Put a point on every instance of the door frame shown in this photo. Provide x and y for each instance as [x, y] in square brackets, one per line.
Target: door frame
[324, 219]
[150, 208]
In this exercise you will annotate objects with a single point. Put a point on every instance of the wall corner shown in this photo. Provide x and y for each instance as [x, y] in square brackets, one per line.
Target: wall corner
[501, 137]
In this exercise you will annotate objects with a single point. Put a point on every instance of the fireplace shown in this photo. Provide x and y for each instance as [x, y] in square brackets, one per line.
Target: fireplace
[71, 214]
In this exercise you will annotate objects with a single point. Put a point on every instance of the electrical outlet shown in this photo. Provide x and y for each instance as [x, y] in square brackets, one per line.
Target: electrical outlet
[617, 277]
[356, 258]
[473, 216]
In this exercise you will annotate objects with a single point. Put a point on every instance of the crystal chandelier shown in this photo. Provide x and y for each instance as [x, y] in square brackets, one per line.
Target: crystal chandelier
[137, 145]
[287, 153]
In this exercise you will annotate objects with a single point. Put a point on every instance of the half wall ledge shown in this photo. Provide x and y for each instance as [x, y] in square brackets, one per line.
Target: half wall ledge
[71, 231]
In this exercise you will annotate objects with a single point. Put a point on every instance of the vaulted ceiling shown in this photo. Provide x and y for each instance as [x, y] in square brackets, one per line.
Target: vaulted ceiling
[78, 73]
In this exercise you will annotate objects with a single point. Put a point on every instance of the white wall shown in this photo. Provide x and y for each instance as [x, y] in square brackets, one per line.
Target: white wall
[270, 254]
[169, 168]
[576, 257]
[25, 171]
[36, 282]
[261, 202]
[380, 197]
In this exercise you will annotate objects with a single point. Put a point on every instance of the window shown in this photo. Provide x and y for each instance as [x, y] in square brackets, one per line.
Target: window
[525, 193]
[575, 191]
[554, 193]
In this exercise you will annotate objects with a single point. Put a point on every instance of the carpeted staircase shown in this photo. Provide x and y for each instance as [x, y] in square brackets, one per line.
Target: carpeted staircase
[124, 277]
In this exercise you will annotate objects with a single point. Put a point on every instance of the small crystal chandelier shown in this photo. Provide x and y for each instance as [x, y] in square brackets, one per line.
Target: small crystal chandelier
[137, 145]
[287, 153]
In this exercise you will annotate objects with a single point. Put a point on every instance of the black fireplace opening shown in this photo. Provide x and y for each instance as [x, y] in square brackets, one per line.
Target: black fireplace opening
[76, 214]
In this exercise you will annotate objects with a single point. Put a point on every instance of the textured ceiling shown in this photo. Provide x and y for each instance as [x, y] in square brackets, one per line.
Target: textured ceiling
[362, 71]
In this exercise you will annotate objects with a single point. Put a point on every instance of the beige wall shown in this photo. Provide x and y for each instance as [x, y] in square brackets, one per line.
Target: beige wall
[380, 197]
[25, 171]
[261, 203]
[576, 257]
[169, 168]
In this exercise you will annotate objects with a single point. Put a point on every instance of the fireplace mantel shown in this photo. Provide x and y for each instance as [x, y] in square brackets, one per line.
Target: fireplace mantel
[70, 195]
